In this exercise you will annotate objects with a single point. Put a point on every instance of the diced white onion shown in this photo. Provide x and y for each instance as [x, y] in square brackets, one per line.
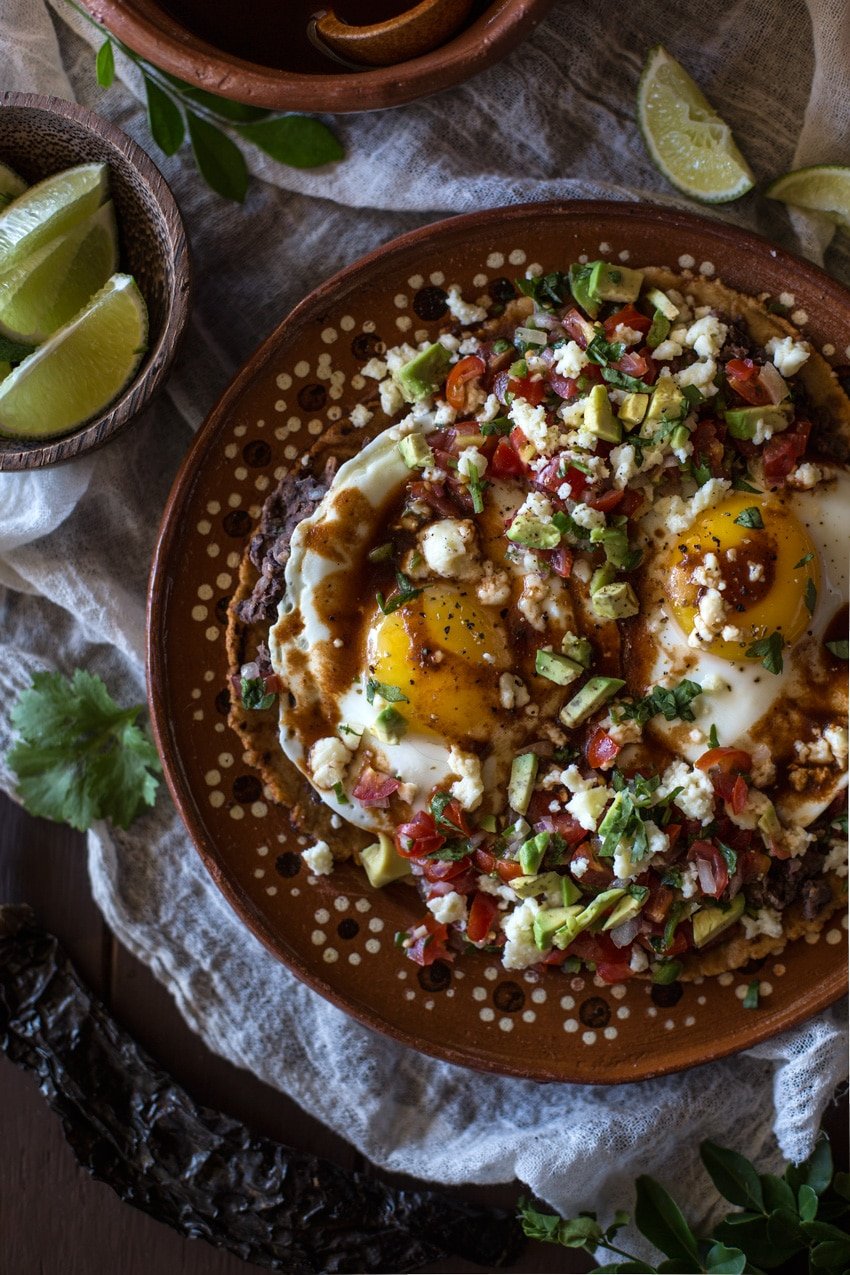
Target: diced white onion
[530, 336]
[773, 383]
[250, 671]
[623, 935]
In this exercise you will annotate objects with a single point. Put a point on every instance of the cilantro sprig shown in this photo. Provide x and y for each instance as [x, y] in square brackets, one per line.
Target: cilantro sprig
[672, 702]
[798, 1221]
[81, 757]
[751, 517]
[406, 592]
[392, 694]
[769, 651]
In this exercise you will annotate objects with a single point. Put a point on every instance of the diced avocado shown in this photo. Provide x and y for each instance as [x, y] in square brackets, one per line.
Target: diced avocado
[549, 921]
[612, 816]
[633, 409]
[467, 440]
[521, 782]
[679, 437]
[584, 918]
[382, 862]
[659, 330]
[596, 692]
[531, 852]
[557, 668]
[616, 601]
[667, 400]
[488, 823]
[580, 288]
[390, 726]
[768, 823]
[624, 911]
[615, 541]
[599, 418]
[601, 577]
[666, 971]
[742, 422]
[414, 451]
[424, 373]
[615, 283]
[528, 530]
[577, 648]
[709, 921]
[662, 302]
[528, 887]
[570, 892]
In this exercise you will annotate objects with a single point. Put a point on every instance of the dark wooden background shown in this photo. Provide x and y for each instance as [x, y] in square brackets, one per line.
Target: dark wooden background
[54, 1220]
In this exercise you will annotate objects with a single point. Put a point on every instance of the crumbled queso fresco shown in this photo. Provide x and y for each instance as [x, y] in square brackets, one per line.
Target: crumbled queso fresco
[603, 572]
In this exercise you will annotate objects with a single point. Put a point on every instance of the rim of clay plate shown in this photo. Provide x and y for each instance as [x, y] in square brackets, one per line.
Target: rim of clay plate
[312, 308]
[154, 34]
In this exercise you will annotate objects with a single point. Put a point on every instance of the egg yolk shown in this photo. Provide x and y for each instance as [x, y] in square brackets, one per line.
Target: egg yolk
[445, 652]
[763, 563]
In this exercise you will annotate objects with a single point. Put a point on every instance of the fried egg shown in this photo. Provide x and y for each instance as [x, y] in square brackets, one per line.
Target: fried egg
[773, 565]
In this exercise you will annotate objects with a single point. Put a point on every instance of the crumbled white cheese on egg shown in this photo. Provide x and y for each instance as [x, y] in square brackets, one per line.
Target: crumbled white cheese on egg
[701, 374]
[766, 921]
[328, 759]
[836, 860]
[520, 951]
[532, 422]
[571, 359]
[707, 336]
[450, 548]
[668, 349]
[471, 462]
[587, 517]
[494, 587]
[628, 336]
[696, 800]
[319, 858]
[512, 691]
[805, 476]
[468, 789]
[392, 399]
[587, 805]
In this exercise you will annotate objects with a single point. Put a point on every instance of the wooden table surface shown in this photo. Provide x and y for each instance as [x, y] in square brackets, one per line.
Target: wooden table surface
[54, 1219]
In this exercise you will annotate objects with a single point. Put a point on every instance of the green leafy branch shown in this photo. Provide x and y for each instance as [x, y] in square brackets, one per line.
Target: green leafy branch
[799, 1222]
[175, 108]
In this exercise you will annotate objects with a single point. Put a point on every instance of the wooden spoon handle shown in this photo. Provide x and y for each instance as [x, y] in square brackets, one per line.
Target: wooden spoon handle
[417, 31]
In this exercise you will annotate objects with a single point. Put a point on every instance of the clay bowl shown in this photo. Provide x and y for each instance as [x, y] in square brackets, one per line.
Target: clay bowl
[151, 30]
[43, 135]
[335, 932]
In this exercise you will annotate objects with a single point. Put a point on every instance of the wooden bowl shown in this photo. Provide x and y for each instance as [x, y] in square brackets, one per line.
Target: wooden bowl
[150, 29]
[43, 135]
[336, 932]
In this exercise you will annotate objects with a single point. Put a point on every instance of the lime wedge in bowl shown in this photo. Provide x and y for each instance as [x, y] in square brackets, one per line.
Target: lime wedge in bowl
[49, 208]
[686, 138]
[11, 185]
[823, 188]
[53, 284]
[81, 368]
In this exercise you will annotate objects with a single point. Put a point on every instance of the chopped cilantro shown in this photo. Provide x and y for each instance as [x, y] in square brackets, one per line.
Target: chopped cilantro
[501, 425]
[439, 802]
[838, 648]
[751, 517]
[769, 651]
[381, 552]
[339, 793]
[406, 593]
[810, 596]
[476, 489]
[392, 694]
[451, 852]
[254, 694]
[729, 855]
[751, 999]
[741, 484]
[604, 352]
[693, 397]
[621, 381]
[713, 741]
[549, 291]
[672, 702]
[806, 558]
[700, 472]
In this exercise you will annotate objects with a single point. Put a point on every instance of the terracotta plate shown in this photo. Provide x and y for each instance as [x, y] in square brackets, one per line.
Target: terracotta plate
[335, 932]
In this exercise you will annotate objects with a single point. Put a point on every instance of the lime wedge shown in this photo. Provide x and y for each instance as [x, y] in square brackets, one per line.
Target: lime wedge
[81, 368]
[47, 209]
[51, 286]
[11, 185]
[823, 188]
[686, 138]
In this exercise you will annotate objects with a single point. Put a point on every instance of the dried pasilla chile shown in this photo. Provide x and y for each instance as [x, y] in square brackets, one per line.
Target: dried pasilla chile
[197, 1170]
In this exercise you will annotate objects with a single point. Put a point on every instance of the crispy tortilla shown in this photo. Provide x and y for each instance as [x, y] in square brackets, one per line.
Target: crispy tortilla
[258, 730]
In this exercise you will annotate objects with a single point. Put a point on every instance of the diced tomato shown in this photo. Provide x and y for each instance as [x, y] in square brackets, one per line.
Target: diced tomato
[444, 869]
[782, 452]
[633, 364]
[486, 861]
[674, 831]
[743, 378]
[505, 462]
[753, 864]
[614, 971]
[605, 500]
[454, 818]
[739, 794]
[435, 495]
[418, 838]
[561, 561]
[631, 502]
[629, 317]
[658, 904]
[463, 883]
[430, 947]
[728, 760]
[565, 387]
[711, 867]
[576, 326]
[508, 869]
[707, 440]
[374, 788]
[553, 480]
[462, 374]
[602, 748]
[532, 391]
[484, 909]
[598, 875]
[599, 949]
